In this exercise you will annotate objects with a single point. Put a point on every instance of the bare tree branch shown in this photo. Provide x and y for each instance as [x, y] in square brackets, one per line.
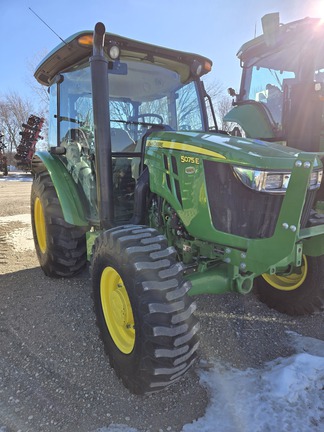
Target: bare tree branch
[13, 112]
[39, 90]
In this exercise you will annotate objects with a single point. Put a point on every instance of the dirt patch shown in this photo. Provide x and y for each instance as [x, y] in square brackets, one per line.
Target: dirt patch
[16, 240]
[17, 232]
[14, 197]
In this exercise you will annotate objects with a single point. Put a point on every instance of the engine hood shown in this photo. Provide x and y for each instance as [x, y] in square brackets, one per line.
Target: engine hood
[229, 149]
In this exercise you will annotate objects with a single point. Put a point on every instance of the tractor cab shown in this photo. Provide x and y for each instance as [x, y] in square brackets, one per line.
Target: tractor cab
[145, 89]
[282, 87]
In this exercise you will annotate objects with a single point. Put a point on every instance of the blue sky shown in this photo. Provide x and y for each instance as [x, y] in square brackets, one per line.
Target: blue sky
[214, 28]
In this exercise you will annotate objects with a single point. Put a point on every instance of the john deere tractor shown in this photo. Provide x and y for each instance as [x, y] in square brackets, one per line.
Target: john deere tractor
[282, 87]
[140, 183]
[281, 100]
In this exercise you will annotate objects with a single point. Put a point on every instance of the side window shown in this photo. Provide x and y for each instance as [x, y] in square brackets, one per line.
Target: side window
[76, 120]
[266, 86]
[188, 108]
[52, 127]
[76, 132]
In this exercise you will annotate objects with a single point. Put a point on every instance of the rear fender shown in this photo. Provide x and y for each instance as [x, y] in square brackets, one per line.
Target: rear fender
[65, 187]
[253, 120]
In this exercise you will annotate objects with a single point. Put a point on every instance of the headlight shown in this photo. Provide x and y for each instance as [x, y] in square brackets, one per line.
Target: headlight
[315, 179]
[272, 181]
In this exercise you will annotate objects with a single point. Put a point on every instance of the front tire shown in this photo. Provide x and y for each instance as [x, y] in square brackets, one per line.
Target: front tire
[296, 294]
[60, 247]
[143, 311]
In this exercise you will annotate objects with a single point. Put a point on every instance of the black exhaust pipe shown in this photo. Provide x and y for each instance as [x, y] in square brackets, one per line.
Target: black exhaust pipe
[100, 103]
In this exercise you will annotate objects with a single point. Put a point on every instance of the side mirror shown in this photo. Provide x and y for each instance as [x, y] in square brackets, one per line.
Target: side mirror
[232, 92]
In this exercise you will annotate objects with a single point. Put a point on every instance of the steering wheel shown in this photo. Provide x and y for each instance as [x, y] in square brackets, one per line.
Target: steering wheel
[185, 127]
[143, 116]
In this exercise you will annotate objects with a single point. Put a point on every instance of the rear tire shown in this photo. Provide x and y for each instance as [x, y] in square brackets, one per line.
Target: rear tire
[297, 294]
[60, 247]
[143, 311]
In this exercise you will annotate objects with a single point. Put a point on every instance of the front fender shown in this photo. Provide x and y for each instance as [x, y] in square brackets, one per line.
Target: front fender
[65, 187]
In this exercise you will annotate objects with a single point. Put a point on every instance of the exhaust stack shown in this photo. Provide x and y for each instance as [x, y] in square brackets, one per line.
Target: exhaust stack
[100, 103]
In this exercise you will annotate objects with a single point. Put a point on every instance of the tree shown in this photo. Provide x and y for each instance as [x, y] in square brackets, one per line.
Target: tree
[40, 91]
[14, 110]
[222, 104]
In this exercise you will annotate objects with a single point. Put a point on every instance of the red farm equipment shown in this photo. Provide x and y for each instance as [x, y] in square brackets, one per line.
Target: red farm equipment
[29, 137]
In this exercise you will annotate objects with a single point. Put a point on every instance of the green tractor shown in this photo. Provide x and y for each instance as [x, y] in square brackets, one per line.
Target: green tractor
[281, 100]
[140, 182]
[282, 87]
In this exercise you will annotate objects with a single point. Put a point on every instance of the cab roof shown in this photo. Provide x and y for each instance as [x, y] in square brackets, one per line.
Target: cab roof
[77, 49]
[306, 34]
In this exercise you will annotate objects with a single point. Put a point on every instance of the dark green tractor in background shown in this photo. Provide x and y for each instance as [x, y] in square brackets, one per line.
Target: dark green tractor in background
[281, 100]
[140, 183]
[282, 86]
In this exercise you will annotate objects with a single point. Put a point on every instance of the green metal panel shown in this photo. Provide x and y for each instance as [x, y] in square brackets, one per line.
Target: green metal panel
[225, 148]
[66, 189]
[214, 281]
[219, 280]
[314, 246]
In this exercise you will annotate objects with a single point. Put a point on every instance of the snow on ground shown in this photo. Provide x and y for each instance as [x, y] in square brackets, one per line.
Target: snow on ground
[16, 176]
[286, 395]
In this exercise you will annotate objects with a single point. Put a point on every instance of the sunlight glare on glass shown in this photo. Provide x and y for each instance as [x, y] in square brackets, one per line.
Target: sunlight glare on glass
[318, 10]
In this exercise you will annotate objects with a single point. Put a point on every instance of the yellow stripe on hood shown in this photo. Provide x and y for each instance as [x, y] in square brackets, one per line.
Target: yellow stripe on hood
[183, 147]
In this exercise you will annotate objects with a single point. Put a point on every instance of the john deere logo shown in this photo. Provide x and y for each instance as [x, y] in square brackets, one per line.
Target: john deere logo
[190, 170]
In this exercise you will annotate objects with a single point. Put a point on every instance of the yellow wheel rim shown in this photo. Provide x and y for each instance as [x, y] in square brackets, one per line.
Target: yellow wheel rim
[289, 282]
[117, 310]
[40, 225]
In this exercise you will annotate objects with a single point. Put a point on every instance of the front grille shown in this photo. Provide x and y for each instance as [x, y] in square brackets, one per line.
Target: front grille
[238, 210]
[309, 202]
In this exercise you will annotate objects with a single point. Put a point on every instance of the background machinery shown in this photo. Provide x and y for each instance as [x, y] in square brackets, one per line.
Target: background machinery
[3, 158]
[281, 100]
[30, 134]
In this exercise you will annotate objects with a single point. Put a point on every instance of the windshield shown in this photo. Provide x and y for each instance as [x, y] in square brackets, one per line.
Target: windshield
[267, 77]
[142, 95]
[266, 85]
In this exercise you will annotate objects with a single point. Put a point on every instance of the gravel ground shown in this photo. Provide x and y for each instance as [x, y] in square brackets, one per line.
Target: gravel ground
[55, 375]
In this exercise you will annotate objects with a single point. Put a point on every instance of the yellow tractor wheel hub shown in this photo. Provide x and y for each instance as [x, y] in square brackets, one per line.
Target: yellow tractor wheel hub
[288, 282]
[40, 225]
[117, 310]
